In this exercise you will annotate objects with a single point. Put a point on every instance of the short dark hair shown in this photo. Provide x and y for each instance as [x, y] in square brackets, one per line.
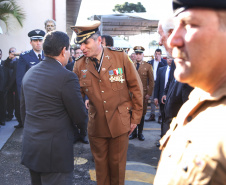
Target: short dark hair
[0, 50]
[71, 49]
[54, 42]
[158, 50]
[108, 39]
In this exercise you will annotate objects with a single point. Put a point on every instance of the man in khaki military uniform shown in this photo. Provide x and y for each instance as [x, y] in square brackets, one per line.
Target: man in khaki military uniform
[145, 72]
[194, 149]
[107, 76]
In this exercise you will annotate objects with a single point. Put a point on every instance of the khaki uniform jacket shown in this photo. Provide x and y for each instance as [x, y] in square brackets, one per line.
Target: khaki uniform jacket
[145, 72]
[194, 149]
[110, 103]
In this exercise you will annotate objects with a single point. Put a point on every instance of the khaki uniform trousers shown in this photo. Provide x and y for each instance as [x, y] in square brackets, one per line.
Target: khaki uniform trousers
[110, 159]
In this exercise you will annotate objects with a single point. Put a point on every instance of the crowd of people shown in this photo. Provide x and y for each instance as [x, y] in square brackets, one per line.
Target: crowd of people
[100, 94]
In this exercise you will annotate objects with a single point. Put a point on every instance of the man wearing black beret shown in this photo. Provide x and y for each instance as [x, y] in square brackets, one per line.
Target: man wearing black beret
[194, 149]
[31, 57]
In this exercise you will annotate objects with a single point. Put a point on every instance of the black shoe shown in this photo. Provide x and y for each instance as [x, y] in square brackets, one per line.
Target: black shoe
[2, 123]
[152, 118]
[132, 136]
[84, 139]
[141, 137]
[8, 119]
[18, 126]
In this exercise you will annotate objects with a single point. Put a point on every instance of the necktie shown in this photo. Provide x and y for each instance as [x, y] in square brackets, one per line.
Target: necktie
[138, 65]
[96, 63]
[39, 57]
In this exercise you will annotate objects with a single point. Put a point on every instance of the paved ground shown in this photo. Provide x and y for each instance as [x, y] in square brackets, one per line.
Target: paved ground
[142, 158]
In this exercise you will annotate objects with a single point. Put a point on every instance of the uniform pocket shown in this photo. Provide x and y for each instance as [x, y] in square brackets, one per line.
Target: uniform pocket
[125, 113]
[86, 86]
[200, 170]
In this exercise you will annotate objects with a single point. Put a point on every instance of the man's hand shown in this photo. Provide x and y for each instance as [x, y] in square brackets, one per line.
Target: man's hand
[87, 104]
[132, 127]
[163, 99]
[156, 102]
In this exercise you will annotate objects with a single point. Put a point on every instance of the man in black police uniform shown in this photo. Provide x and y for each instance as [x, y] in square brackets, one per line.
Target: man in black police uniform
[31, 57]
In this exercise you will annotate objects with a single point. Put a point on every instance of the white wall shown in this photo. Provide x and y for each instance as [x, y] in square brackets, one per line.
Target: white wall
[36, 12]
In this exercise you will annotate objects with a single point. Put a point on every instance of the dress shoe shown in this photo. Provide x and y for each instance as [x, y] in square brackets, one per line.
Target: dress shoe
[141, 137]
[132, 136]
[18, 126]
[8, 119]
[160, 119]
[152, 118]
[84, 139]
[2, 123]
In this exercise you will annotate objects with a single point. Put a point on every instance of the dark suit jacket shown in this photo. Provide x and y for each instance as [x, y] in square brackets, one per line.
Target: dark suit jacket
[4, 76]
[27, 60]
[176, 95]
[70, 66]
[51, 105]
[12, 66]
[160, 83]
[161, 64]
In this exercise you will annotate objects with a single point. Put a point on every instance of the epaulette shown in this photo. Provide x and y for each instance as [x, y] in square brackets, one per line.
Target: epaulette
[25, 52]
[79, 57]
[115, 49]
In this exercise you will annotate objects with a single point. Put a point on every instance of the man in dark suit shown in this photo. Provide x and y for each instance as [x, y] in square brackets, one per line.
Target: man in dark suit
[4, 76]
[51, 106]
[30, 58]
[175, 95]
[156, 63]
[11, 64]
[160, 84]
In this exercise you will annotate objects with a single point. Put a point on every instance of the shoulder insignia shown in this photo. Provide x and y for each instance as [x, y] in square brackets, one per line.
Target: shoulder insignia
[79, 57]
[25, 52]
[130, 59]
[115, 49]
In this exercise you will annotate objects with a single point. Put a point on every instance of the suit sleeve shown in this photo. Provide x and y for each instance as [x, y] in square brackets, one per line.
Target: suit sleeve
[22, 106]
[186, 90]
[21, 70]
[76, 71]
[135, 87]
[73, 101]
[150, 81]
[157, 85]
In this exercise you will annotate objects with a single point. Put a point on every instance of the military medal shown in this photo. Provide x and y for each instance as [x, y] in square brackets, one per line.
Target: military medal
[84, 73]
[112, 79]
[120, 75]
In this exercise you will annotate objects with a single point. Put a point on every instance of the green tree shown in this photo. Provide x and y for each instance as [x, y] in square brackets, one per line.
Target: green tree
[153, 43]
[129, 8]
[10, 8]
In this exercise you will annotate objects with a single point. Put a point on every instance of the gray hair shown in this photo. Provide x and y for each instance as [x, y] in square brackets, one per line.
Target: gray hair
[50, 20]
[167, 24]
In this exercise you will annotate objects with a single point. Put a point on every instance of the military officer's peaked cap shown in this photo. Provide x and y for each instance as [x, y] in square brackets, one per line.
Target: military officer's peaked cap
[85, 31]
[36, 34]
[182, 5]
[138, 49]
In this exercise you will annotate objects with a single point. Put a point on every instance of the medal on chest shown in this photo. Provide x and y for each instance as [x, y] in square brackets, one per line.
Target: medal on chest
[116, 75]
